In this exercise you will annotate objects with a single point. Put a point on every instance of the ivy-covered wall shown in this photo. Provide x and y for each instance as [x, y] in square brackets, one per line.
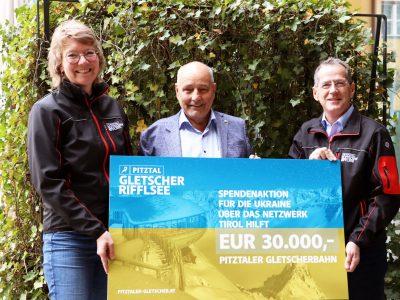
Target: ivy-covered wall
[263, 54]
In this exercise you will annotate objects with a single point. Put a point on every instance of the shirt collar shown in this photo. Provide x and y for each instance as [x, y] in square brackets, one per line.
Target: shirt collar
[342, 121]
[184, 122]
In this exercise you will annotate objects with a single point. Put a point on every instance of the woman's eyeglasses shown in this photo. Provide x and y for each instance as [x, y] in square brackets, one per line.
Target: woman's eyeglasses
[75, 57]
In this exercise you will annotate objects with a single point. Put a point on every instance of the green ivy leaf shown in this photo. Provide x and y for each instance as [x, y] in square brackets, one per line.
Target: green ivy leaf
[176, 39]
[111, 8]
[144, 67]
[344, 19]
[295, 102]
[30, 276]
[38, 284]
[254, 64]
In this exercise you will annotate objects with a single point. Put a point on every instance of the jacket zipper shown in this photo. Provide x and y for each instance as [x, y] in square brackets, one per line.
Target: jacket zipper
[96, 121]
[109, 136]
[330, 140]
[385, 170]
[363, 207]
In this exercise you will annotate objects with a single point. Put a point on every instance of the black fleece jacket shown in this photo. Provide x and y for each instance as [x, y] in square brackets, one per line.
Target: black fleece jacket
[70, 139]
[370, 182]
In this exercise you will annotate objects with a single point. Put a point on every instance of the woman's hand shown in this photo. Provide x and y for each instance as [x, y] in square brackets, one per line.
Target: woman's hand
[105, 249]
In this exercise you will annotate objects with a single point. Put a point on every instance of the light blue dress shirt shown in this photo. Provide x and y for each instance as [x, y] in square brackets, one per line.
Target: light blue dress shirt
[340, 123]
[195, 143]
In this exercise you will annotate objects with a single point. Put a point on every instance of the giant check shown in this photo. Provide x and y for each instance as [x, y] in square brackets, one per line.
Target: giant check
[191, 228]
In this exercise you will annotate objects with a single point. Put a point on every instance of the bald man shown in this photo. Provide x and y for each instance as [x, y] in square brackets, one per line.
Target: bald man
[196, 130]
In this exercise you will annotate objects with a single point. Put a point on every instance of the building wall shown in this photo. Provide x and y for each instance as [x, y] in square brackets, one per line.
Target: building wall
[363, 6]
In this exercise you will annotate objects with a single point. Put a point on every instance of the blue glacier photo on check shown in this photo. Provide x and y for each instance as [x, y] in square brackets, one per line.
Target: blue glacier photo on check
[204, 228]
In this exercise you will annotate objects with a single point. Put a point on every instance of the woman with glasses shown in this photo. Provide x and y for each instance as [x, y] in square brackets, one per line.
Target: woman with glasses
[71, 133]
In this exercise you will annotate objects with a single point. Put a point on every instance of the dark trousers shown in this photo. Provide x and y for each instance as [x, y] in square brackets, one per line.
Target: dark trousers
[367, 281]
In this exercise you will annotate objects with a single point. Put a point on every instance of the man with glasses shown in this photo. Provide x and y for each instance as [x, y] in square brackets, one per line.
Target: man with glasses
[371, 193]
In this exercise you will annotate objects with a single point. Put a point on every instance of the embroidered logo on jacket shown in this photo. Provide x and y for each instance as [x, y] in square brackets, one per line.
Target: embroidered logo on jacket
[348, 157]
[114, 125]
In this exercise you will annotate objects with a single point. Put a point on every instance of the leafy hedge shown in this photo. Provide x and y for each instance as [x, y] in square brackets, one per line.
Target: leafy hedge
[263, 54]
[20, 217]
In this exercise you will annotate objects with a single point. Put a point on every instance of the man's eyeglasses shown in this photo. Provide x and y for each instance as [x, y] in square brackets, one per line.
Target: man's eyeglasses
[336, 84]
[75, 57]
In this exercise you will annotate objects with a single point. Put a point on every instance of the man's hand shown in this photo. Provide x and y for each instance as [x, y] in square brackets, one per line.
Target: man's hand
[323, 153]
[105, 249]
[352, 257]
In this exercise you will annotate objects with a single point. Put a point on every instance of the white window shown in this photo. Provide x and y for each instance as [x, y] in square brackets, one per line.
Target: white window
[8, 7]
[392, 11]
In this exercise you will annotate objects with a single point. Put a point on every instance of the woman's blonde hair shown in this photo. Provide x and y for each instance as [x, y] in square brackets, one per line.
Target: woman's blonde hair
[66, 31]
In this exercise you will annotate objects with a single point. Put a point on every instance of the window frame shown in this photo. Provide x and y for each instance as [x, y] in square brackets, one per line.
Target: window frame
[393, 20]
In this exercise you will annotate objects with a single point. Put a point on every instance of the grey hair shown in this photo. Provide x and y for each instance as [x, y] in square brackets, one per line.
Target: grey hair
[191, 64]
[333, 61]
